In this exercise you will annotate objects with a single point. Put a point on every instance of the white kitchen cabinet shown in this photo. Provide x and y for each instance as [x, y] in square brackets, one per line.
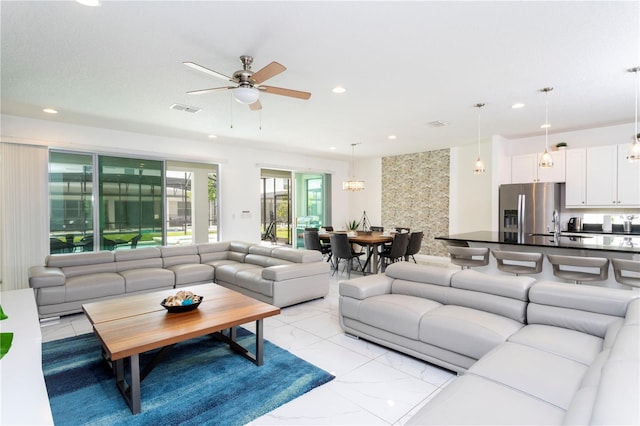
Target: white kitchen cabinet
[602, 177]
[602, 165]
[628, 179]
[524, 168]
[576, 178]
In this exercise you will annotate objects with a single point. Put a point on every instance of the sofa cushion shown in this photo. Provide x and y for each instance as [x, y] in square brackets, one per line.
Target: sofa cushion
[192, 273]
[251, 279]
[601, 300]
[296, 256]
[570, 344]
[474, 400]
[396, 313]
[294, 270]
[546, 376]
[140, 258]
[179, 255]
[227, 273]
[421, 273]
[141, 279]
[464, 330]
[78, 259]
[216, 247]
[264, 261]
[513, 287]
[92, 286]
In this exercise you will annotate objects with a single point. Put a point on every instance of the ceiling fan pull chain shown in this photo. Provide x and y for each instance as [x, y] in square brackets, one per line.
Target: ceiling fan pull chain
[260, 126]
[231, 110]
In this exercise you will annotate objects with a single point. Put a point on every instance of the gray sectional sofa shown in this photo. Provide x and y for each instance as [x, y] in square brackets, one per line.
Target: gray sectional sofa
[526, 352]
[277, 275]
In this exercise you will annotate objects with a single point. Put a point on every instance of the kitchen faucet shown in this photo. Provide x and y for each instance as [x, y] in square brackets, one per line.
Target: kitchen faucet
[556, 222]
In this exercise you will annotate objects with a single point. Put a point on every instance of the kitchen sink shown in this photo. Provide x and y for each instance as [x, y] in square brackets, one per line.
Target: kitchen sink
[562, 234]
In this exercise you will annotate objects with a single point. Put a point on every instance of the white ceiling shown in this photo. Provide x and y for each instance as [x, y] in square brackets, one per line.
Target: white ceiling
[404, 64]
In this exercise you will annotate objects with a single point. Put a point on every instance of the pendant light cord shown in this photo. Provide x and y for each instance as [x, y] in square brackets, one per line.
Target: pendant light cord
[479, 106]
[546, 121]
[635, 135]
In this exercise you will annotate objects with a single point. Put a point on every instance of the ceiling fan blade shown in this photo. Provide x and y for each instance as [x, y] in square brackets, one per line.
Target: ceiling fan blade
[267, 72]
[255, 106]
[214, 89]
[285, 92]
[207, 71]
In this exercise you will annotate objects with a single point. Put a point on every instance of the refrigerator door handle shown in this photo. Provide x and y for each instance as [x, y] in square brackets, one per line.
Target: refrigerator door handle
[521, 210]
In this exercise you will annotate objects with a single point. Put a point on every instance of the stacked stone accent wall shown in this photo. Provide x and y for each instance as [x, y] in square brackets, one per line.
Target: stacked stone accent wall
[415, 194]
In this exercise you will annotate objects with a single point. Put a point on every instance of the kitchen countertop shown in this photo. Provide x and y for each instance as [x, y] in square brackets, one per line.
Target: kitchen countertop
[629, 243]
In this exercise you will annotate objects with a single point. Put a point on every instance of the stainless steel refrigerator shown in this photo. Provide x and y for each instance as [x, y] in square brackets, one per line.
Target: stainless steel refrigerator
[528, 208]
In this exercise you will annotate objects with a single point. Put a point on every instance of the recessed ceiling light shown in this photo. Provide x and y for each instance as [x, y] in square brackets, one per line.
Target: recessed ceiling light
[392, 137]
[50, 111]
[332, 148]
[545, 126]
[92, 3]
[339, 89]
[212, 136]
[517, 105]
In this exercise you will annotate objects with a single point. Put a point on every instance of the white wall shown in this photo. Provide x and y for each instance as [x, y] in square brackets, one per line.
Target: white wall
[239, 188]
[369, 200]
[470, 194]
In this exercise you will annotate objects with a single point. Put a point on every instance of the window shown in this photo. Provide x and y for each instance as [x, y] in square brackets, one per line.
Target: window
[131, 197]
[71, 202]
[130, 200]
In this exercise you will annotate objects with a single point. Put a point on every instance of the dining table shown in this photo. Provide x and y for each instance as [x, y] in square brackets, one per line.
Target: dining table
[371, 240]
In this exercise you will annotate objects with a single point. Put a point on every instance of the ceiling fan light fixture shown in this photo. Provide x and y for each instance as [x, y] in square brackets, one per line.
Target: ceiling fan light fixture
[246, 95]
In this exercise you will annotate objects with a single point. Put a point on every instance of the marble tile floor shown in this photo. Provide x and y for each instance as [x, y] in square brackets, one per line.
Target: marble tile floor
[373, 385]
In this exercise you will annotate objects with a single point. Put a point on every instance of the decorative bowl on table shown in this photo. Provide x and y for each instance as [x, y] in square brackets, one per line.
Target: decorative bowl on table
[183, 301]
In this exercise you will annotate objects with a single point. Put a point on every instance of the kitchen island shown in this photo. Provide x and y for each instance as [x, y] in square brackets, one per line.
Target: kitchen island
[622, 246]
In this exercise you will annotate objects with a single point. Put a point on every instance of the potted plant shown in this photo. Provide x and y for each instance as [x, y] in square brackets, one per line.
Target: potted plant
[352, 226]
[561, 145]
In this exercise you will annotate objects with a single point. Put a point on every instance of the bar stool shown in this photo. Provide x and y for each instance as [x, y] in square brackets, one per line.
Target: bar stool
[578, 277]
[620, 265]
[517, 256]
[468, 257]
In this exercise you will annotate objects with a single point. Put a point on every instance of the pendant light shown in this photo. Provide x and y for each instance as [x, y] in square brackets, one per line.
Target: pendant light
[546, 160]
[353, 184]
[634, 149]
[479, 166]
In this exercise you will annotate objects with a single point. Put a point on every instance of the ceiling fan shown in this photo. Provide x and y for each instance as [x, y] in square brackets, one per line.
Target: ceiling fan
[248, 83]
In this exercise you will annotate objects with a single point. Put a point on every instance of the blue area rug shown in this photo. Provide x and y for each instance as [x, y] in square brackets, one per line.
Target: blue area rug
[200, 381]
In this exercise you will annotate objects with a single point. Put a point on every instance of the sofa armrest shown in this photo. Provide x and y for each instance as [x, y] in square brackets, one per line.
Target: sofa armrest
[364, 287]
[42, 276]
[294, 270]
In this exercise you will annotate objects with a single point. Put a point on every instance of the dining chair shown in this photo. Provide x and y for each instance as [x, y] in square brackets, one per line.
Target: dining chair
[377, 228]
[415, 243]
[328, 228]
[341, 250]
[402, 229]
[396, 252]
[312, 242]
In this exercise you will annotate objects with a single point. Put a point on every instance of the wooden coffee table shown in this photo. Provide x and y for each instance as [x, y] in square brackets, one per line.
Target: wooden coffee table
[131, 325]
